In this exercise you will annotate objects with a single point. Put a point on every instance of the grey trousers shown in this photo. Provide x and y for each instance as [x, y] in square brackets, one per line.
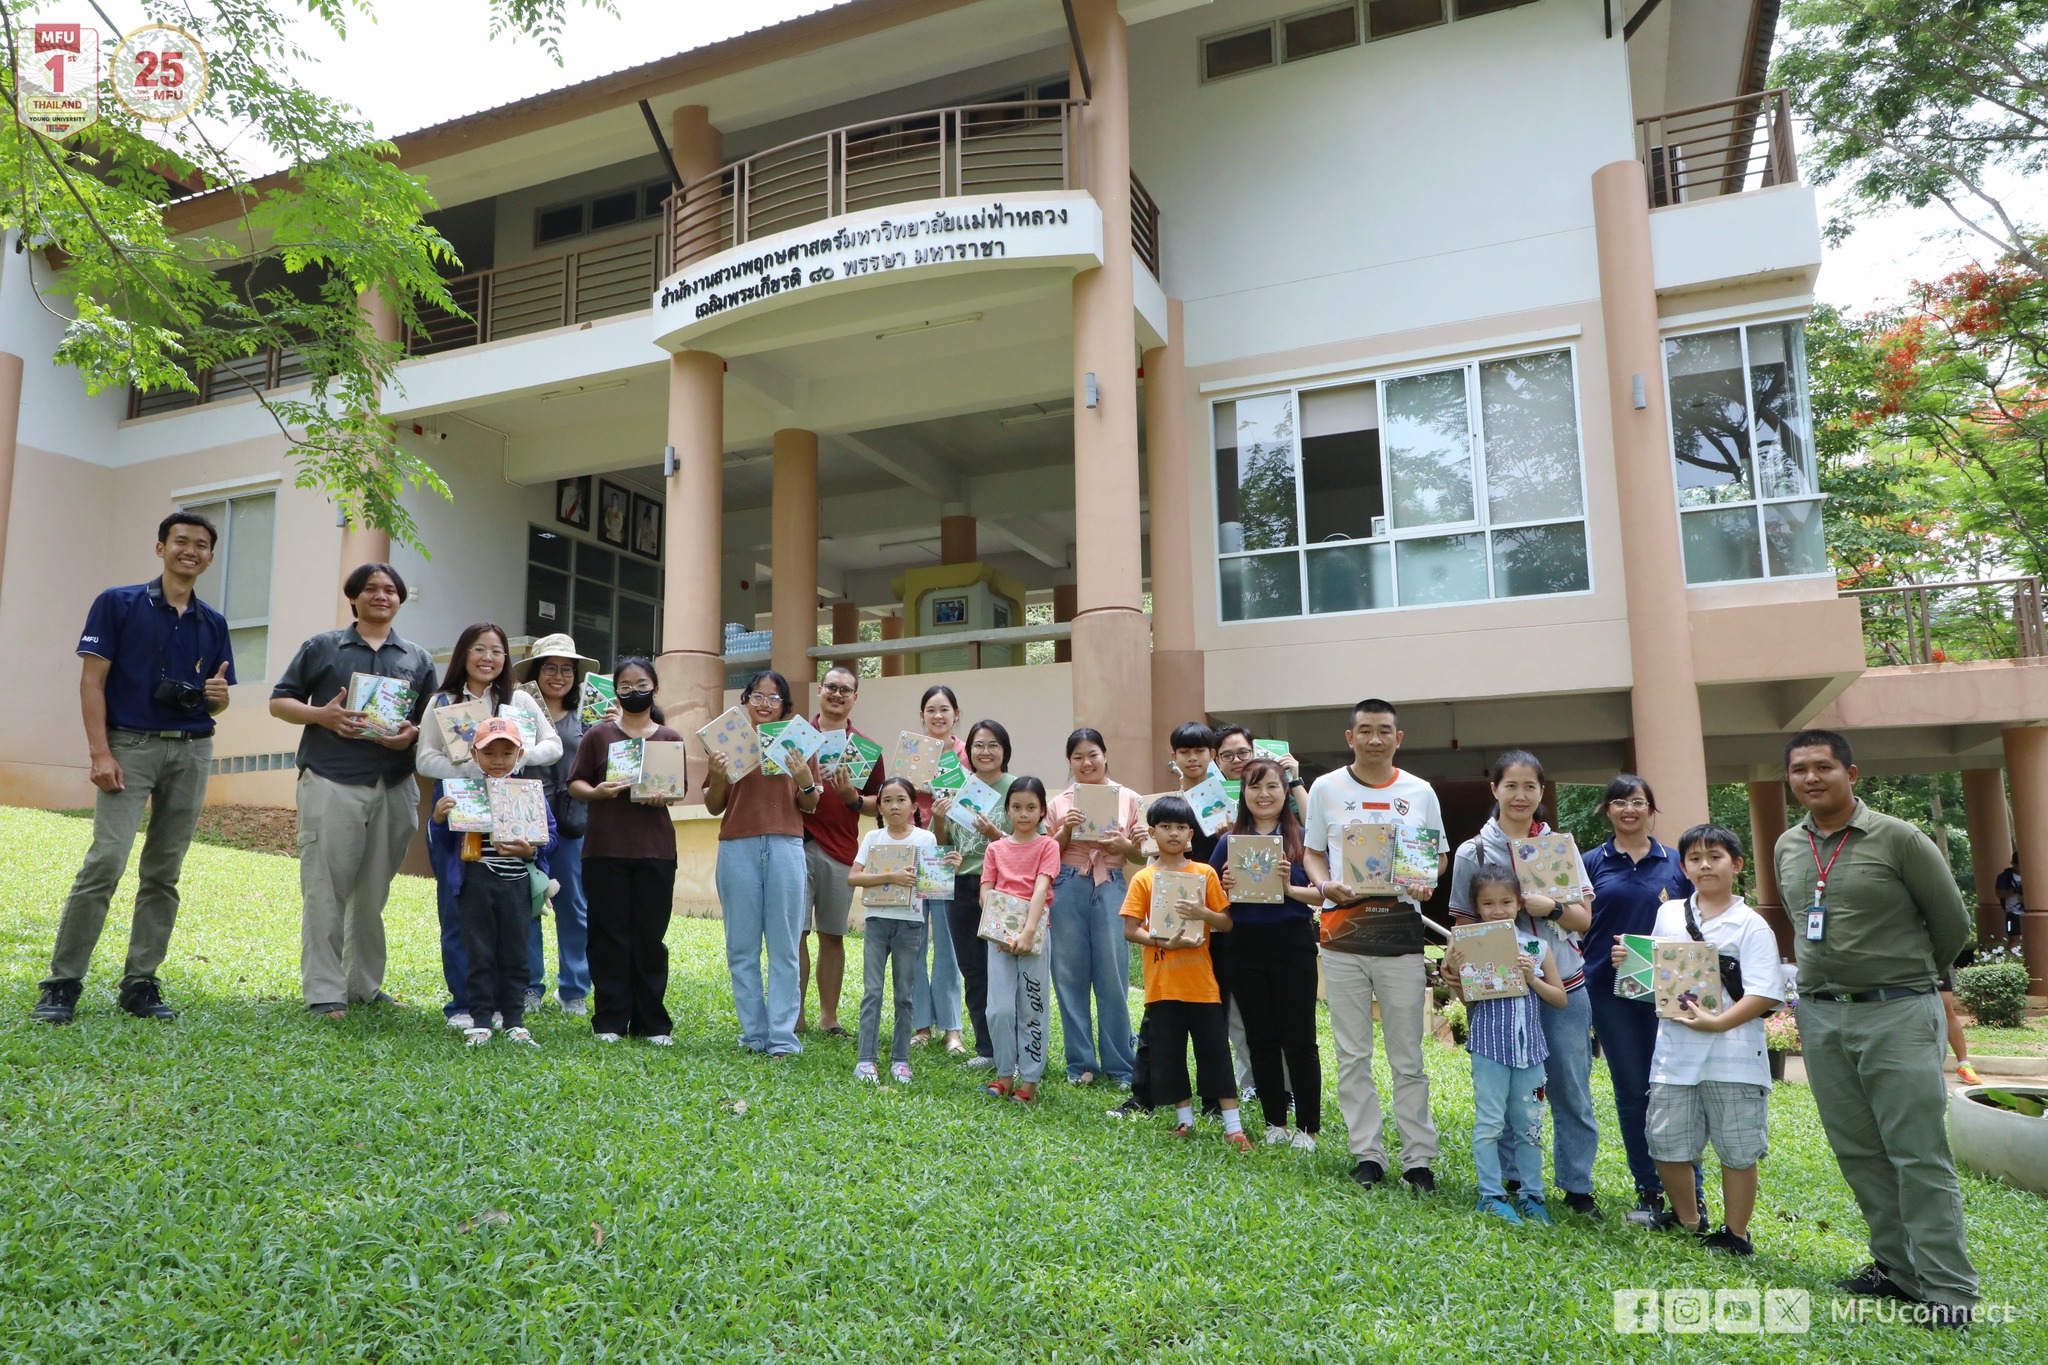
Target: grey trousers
[1019, 1008]
[890, 949]
[351, 841]
[169, 777]
[1875, 1071]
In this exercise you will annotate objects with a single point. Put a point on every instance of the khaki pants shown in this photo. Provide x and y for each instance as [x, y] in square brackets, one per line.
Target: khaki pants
[351, 841]
[169, 777]
[1875, 1071]
[1352, 982]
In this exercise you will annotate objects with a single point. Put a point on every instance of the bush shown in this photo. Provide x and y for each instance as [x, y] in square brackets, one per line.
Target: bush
[1995, 993]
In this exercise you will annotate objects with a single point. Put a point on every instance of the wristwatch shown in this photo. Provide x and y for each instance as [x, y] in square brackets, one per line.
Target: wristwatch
[1296, 782]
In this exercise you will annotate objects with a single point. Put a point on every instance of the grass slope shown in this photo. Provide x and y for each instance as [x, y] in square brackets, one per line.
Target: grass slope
[251, 1184]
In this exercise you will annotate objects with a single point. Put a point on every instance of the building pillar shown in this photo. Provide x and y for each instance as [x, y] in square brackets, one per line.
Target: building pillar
[1665, 699]
[892, 629]
[10, 423]
[846, 631]
[1062, 611]
[699, 150]
[1990, 833]
[691, 669]
[1112, 675]
[1178, 687]
[365, 544]
[1766, 826]
[793, 534]
[2026, 763]
[957, 541]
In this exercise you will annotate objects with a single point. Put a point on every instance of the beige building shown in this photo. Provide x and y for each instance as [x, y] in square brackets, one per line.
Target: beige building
[1278, 353]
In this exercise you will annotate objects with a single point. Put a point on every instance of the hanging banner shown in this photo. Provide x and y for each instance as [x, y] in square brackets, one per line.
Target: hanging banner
[57, 79]
[159, 72]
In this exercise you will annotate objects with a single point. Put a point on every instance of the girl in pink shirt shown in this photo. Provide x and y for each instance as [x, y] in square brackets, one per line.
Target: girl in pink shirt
[1022, 866]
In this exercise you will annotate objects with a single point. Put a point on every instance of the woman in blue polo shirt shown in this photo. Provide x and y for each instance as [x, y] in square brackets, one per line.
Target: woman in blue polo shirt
[1632, 875]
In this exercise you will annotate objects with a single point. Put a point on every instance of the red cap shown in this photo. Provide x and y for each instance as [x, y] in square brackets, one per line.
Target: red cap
[498, 727]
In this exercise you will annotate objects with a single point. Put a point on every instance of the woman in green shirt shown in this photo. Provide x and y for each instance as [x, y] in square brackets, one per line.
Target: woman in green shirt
[988, 757]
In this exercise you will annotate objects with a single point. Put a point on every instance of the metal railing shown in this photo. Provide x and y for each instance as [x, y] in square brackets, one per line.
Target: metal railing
[271, 368]
[1144, 226]
[1715, 149]
[532, 296]
[1974, 619]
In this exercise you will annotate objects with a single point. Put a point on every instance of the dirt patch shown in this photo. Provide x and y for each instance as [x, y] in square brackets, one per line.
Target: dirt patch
[254, 829]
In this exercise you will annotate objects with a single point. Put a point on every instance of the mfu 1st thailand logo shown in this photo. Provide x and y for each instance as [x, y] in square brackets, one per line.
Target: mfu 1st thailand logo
[57, 79]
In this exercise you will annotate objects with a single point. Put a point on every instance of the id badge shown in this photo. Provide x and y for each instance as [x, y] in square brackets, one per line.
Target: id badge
[1816, 922]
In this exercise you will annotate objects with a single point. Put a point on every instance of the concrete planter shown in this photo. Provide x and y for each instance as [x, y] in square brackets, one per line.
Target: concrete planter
[1997, 1142]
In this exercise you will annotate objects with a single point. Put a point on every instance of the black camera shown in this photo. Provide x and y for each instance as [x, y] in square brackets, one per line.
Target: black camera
[179, 696]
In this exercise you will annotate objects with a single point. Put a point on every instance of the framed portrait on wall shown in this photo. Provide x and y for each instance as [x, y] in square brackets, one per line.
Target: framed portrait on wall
[646, 527]
[949, 611]
[614, 514]
[572, 502]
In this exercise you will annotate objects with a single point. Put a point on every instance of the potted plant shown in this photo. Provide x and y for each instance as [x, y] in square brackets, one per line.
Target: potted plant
[2001, 1132]
[1781, 1037]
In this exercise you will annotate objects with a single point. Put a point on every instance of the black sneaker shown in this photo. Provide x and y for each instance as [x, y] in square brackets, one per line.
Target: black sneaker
[1951, 1316]
[1668, 1220]
[1873, 1282]
[144, 999]
[1368, 1173]
[1421, 1179]
[1585, 1205]
[1649, 1204]
[57, 1004]
[1129, 1109]
[1732, 1243]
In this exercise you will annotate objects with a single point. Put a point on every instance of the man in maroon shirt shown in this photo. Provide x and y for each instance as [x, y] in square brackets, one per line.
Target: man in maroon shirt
[831, 837]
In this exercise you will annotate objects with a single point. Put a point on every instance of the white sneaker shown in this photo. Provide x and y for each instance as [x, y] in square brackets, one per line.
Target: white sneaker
[901, 1073]
[577, 1006]
[980, 1063]
[461, 1021]
[607, 1037]
[1303, 1142]
[1276, 1136]
[475, 1037]
[661, 1040]
[865, 1071]
[520, 1036]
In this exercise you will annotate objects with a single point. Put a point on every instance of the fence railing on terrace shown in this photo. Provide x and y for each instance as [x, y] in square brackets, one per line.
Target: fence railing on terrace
[532, 296]
[272, 368]
[1715, 149]
[1974, 619]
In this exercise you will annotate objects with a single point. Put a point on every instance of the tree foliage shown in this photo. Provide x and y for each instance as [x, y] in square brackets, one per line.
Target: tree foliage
[148, 307]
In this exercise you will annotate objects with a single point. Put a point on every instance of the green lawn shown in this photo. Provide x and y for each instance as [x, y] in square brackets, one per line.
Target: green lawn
[250, 1184]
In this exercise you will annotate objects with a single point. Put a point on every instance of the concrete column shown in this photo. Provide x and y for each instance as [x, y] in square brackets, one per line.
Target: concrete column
[793, 522]
[1062, 610]
[1990, 845]
[1766, 824]
[1178, 689]
[364, 544]
[957, 542]
[1112, 637]
[846, 631]
[1665, 701]
[892, 629]
[2026, 761]
[10, 422]
[699, 149]
[691, 670]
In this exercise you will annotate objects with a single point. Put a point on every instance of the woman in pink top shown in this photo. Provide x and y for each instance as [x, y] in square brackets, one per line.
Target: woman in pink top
[1089, 953]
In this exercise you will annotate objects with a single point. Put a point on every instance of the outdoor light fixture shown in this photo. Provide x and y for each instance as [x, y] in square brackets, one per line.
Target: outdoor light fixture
[1636, 390]
[668, 462]
[931, 325]
[1088, 386]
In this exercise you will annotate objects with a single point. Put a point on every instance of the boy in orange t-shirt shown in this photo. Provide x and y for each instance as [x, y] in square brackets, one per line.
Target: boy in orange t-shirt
[1182, 1002]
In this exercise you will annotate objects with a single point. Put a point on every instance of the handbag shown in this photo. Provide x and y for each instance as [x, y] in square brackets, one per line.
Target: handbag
[1731, 965]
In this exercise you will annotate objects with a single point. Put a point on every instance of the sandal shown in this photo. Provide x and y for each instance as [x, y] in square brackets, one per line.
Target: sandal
[837, 1032]
[1085, 1078]
[997, 1089]
[1025, 1093]
[957, 1048]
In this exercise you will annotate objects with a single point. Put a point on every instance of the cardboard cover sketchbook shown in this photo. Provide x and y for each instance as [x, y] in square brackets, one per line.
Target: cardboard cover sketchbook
[1489, 971]
[1099, 807]
[458, 722]
[889, 858]
[1002, 918]
[1548, 865]
[733, 743]
[386, 703]
[622, 760]
[664, 771]
[934, 878]
[1255, 869]
[1169, 889]
[1634, 979]
[1685, 970]
[916, 757]
[519, 810]
[596, 698]
[1369, 859]
[472, 813]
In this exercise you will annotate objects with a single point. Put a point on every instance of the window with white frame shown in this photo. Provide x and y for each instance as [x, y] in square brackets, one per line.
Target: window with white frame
[237, 583]
[1741, 441]
[1456, 484]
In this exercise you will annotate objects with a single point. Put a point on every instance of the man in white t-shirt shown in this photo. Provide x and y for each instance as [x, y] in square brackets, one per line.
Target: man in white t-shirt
[1709, 1076]
[1372, 946]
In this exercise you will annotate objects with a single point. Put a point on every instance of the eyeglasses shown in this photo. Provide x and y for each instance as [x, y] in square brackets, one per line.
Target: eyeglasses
[836, 689]
[486, 652]
[635, 691]
[986, 746]
[553, 666]
[1233, 753]
[1633, 803]
[752, 697]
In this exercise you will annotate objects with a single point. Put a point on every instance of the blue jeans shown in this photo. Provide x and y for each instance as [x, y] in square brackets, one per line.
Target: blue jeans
[935, 989]
[1568, 1083]
[572, 928]
[1507, 1127]
[1089, 953]
[761, 894]
[454, 961]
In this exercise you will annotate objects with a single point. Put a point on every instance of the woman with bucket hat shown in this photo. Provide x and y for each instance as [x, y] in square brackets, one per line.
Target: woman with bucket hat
[555, 670]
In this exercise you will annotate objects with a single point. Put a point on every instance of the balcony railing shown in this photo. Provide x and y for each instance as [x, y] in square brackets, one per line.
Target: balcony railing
[271, 368]
[579, 286]
[1931, 623]
[1715, 149]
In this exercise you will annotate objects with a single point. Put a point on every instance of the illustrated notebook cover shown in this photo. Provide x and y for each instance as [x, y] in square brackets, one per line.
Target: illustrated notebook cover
[1003, 917]
[1415, 860]
[975, 797]
[622, 760]
[733, 743]
[889, 858]
[519, 810]
[1169, 889]
[597, 698]
[787, 746]
[1633, 979]
[386, 703]
[458, 724]
[525, 722]
[664, 773]
[472, 813]
[1255, 869]
[1684, 969]
[916, 757]
[950, 776]
[1489, 970]
[1213, 807]
[859, 758]
[934, 877]
[1548, 865]
[1369, 859]
[1099, 807]
[831, 750]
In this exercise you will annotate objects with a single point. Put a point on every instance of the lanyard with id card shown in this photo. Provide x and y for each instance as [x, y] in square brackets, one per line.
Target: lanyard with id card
[1817, 913]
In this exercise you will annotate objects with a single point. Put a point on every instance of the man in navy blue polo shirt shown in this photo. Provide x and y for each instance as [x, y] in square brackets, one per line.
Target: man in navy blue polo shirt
[157, 671]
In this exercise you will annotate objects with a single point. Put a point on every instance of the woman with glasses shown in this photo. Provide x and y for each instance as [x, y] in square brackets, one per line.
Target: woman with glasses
[935, 983]
[988, 758]
[1632, 876]
[556, 670]
[761, 878]
[479, 669]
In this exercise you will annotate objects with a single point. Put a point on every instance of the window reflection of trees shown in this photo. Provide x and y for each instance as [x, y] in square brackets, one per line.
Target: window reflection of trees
[1709, 418]
[1532, 437]
[1429, 448]
[1265, 471]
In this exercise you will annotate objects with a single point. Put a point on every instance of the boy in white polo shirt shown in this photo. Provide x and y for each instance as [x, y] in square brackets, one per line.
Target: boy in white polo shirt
[1372, 947]
[1709, 1076]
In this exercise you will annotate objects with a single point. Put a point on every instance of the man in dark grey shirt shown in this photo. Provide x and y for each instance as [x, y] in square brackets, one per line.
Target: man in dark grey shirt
[358, 805]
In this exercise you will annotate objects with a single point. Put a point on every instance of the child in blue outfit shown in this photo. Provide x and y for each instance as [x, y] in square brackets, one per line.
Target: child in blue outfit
[1505, 1037]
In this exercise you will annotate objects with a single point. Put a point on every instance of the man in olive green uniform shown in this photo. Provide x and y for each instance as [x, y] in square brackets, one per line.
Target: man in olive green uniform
[1875, 912]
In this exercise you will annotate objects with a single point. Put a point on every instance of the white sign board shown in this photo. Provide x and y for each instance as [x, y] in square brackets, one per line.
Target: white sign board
[903, 241]
[57, 78]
